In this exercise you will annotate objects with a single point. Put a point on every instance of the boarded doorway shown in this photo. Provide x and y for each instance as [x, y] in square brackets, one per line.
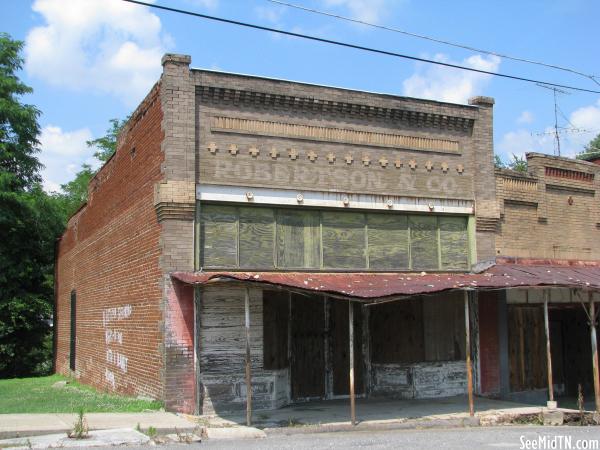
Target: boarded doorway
[571, 350]
[308, 349]
[527, 348]
[339, 327]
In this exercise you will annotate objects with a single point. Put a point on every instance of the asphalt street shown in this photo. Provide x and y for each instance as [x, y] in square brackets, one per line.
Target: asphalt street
[517, 437]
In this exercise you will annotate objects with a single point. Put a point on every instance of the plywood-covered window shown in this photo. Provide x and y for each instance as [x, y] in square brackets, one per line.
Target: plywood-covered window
[454, 240]
[388, 241]
[424, 242]
[256, 237]
[298, 239]
[219, 235]
[344, 240]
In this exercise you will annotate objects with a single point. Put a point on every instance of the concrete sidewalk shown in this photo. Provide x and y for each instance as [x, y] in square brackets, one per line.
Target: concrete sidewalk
[23, 425]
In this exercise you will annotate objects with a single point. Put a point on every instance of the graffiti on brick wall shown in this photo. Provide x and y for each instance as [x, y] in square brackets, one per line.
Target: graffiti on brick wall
[113, 337]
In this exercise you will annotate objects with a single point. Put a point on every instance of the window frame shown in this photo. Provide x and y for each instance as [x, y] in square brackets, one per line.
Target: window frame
[276, 268]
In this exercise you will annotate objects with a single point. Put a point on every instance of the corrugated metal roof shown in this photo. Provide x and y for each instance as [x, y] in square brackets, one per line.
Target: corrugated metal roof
[505, 273]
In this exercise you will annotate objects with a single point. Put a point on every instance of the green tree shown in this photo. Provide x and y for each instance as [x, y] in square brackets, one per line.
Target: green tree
[591, 150]
[19, 128]
[498, 163]
[107, 144]
[74, 193]
[518, 163]
[30, 222]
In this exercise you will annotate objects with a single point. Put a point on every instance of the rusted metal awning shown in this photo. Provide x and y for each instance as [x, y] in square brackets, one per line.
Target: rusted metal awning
[504, 273]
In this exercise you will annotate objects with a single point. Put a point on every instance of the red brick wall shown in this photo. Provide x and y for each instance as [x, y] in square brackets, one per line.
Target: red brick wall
[109, 255]
[180, 380]
[489, 343]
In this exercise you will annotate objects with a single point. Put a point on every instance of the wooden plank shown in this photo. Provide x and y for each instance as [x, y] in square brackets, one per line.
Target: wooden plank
[298, 239]
[397, 332]
[351, 361]
[398, 327]
[443, 325]
[388, 241]
[366, 348]
[275, 330]
[248, 359]
[308, 356]
[339, 348]
[424, 242]
[548, 348]
[594, 352]
[468, 356]
[219, 236]
[344, 240]
[257, 238]
[454, 243]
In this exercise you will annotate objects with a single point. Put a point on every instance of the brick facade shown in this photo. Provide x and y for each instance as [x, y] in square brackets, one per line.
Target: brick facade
[552, 211]
[109, 255]
[140, 333]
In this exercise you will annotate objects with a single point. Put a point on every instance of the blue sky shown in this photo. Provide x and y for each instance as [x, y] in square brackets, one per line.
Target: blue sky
[92, 60]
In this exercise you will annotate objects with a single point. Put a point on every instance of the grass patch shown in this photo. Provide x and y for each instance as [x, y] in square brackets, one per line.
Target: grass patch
[36, 395]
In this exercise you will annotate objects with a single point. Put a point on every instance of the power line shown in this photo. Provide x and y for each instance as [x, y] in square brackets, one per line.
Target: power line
[432, 39]
[356, 46]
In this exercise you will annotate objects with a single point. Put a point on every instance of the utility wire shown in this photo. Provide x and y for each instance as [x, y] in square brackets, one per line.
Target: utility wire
[354, 46]
[432, 39]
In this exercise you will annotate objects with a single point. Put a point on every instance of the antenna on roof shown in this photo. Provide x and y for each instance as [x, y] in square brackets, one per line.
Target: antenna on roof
[556, 133]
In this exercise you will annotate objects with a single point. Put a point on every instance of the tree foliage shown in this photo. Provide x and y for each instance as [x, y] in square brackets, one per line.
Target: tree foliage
[518, 163]
[591, 150]
[74, 193]
[30, 222]
[107, 144]
[18, 122]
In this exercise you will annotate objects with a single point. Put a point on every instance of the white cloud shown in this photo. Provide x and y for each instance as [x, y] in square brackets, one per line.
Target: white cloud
[370, 11]
[448, 84]
[62, 154]
[106, 46]
[587, 117]
[524, 141]
[525, 117]
[586, 121]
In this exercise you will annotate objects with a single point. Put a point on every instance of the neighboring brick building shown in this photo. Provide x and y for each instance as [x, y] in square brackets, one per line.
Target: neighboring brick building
[256, 177]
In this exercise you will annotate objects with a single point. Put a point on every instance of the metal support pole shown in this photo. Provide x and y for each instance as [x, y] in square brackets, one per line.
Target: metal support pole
[548, 350]
[468, 356]
[351, 358]
[594, 351]
[248, 361]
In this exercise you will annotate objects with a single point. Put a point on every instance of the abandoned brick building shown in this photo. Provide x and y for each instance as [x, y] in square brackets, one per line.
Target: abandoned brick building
[247, 227]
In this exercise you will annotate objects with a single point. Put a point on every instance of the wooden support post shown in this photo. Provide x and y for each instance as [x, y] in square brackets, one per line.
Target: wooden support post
[548, 350]
[468, 355]
[248, 361]
[594, 351]
[351, 358]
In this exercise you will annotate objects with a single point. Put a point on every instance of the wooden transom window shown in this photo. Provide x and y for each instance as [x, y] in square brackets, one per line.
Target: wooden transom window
[257, 237]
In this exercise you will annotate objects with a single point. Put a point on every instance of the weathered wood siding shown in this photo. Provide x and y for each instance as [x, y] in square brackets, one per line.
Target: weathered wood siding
[419, 380]
[221, 352]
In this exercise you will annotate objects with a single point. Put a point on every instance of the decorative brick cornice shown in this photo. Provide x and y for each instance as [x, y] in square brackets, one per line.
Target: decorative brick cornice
[175, 200]
[319, 106]
[175, 211]
[487, 224]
